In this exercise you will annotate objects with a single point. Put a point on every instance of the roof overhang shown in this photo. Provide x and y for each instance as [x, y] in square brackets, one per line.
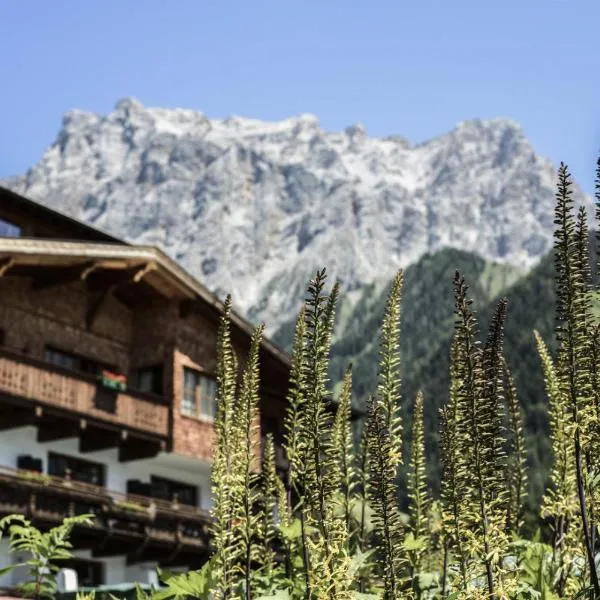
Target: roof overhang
[77, 260]
[38, 210]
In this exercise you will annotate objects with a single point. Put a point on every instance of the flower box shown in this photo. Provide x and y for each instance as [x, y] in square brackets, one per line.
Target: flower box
[113, 381]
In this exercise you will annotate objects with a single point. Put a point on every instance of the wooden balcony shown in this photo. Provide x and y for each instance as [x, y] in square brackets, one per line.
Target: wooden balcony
[141, 528]
[63, 404]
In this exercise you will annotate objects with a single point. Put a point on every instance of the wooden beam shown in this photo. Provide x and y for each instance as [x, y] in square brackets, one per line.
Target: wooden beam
[141, 295]
[55, 276]
[188, 556]
[139, 551]
[16, 419]
[115, 545]
[142, 272]
[92, 266]
[105, 539]
[136, 449]
[52, 431]
[118, 277]
[176, 550]
[97, 439]
[5, 264]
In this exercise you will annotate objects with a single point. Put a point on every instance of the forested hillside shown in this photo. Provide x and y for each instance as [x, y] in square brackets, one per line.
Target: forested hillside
[427, 324]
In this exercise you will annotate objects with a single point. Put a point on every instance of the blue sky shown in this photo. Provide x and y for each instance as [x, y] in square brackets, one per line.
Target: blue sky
[410, 68]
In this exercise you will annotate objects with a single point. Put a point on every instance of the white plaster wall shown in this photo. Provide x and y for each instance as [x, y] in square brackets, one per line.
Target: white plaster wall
[115, 568]
[15, 442]
[23, 440]
[5, 560]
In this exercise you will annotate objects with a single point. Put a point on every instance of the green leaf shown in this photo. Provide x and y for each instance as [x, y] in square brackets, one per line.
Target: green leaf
[293, 531]
[428, 580]
[411, 543]
[9, 568]
[193, 583]
[358, 560]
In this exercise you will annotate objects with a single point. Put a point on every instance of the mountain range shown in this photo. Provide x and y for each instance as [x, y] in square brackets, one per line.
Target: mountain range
[253, 208]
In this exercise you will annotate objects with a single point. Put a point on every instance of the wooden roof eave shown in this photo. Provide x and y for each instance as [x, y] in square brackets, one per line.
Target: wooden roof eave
[44, 252]
[43, 212]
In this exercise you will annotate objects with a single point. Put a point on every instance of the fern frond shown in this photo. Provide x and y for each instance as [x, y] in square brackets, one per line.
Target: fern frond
[343, 443]
[321, 480]
[418, 494]
[245, 490]
[295, 417]
[388, 386]
[383, 495]
[325, 550]
[270, 510]
[560, 504]
[221, 471]
[454, 475]
[516, 474]
[384, 439]
[480, 420]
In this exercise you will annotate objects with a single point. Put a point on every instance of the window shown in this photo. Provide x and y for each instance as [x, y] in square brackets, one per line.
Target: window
[165, 489]
[61, 359]
[79, 470]
[8, 229]
[138, 488]
[199, 394]
[29, 463]
[150, 379]
[90, 573]
[74, 362]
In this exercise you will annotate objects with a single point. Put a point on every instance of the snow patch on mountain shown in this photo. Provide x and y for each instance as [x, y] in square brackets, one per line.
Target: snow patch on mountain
[254, 208]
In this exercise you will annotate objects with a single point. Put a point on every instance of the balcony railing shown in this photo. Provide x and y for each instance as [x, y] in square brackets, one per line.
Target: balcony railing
[129, 517]
[45, 384]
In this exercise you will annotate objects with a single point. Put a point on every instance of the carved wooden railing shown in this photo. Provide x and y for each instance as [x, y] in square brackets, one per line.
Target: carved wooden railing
[50, 499]
[45, 384]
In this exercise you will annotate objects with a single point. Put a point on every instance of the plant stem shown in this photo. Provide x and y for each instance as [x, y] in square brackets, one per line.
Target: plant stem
[308, 593]
[445, 569]
[584, 516]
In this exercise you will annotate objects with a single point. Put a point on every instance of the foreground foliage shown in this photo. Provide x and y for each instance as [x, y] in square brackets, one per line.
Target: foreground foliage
[45, 551]
[340, 532]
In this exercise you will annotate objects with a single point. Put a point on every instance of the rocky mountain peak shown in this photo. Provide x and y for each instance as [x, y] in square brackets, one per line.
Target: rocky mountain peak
[254, 207]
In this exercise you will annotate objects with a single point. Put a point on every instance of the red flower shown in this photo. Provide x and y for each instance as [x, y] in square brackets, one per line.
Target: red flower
[113, 376]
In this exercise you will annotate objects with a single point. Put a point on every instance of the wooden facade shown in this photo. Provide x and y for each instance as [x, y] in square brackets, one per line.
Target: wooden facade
[76, 303]
[65, 404]
[140, 527]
